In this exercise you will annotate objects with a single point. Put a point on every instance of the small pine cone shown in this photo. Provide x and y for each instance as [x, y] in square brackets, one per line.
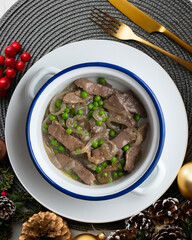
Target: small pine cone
[185, 211]
[45, 225]
[164, 211]
[140, 222]
[169, 233]
[7, 208]
[119, 234]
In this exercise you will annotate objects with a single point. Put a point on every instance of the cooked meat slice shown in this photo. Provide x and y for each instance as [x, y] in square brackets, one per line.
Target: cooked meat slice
[94, 88]
[115, 106]
[58, 132]
[99, 155]
[133, 152]
[75, 97]
[131, 104]
[69, 163]
[130, 157]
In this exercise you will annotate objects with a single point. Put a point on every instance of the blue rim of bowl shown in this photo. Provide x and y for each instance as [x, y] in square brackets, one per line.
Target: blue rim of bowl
[161, 125]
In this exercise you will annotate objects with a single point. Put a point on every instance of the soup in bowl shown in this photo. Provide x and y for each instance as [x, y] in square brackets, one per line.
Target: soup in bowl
[95, 131]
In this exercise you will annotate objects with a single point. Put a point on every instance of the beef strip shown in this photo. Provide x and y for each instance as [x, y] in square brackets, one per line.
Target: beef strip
[115, 105]
[94, 88]
[58, 132]
[69, 163]
[75, 97]
[126, 136]
[132, 154]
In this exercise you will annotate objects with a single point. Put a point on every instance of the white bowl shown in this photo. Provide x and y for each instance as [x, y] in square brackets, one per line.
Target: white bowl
[121, 79]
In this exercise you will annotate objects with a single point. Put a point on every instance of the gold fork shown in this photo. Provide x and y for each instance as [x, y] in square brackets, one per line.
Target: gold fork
[121, 31]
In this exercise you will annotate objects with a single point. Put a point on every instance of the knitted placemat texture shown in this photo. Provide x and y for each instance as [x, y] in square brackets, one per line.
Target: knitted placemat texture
[43, 25]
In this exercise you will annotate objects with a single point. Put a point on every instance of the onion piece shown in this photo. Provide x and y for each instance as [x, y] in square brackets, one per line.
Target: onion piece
[138, 141]
[53, 102]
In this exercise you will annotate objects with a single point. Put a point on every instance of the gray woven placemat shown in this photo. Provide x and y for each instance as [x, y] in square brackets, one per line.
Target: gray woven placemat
[43, 25]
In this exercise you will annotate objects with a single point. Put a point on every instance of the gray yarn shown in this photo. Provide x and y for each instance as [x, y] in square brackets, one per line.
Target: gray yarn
[43, 25]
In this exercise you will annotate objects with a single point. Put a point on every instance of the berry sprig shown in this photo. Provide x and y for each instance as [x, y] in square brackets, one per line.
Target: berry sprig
[9, 67]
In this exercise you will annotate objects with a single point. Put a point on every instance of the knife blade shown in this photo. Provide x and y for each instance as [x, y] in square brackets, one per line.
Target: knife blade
[146, 22]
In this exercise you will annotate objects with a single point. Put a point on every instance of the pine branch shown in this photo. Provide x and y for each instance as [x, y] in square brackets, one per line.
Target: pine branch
[7, 179]
[5, 230]
[187, 228]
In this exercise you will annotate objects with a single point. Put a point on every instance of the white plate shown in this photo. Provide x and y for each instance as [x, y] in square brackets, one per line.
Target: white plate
[175, 142]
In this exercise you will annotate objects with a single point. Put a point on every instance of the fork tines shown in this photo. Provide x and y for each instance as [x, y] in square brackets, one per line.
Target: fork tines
[105, 21]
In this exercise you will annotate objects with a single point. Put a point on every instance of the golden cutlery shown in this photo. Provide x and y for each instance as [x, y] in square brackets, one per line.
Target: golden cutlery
[146, 22]
[121, 31]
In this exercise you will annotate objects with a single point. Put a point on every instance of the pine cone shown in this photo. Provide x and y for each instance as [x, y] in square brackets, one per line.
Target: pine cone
[169, 233]
[185, 211]
[140, 222]
[7, 208]
[164, 211]
[119, 234]
[45, 225]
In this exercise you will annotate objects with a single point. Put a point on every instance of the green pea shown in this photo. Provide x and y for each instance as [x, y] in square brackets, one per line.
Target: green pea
[97, 98]
[75, 125]
[112, 133]
[72, 111]
[120, 174]
[90, 106]
[54, 142]
[65, 115]
[137, 117]
[110, 180]
[80, 112]
[114, 159]
[84, 94]
[56, 151]
[78, 128]
[86, 133]
[78, 149]
[75, 176]
[58, 103]
[95, 167]
[104, 174]
[104, 119]
[114, 174]
[68, 130]
[100, 142]
[95, 108]
[102, 80]
[52, 117]
[104, 164]
[99, 123]
[91, 113]
[120, 167]
[61, 148]
[95, 144]
[67, 110]
[101, 103]
[69, 171]
[46, 126]
[95, 104]
[98, 169]
[101, 112]
[126, 147]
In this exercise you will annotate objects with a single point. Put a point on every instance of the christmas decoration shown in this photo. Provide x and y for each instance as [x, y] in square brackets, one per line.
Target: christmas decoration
[7, 208]
[2, 150]
[169, 233]
[101, 236]
[185, 211]
[45, 225]
[184, 181]
[120, 235]
[164, 211]
[140, 223]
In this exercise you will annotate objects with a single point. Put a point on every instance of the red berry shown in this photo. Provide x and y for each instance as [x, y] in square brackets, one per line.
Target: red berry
[3, 194]
[2, 92]
[10, 52]
[16, 45]
[25, 57]
[1, 73]
[10, 62]
[2, 58]
[10, 72]
[4, 83]
[20, 65]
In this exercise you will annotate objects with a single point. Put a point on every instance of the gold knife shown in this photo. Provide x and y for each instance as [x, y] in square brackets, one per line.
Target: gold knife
[146, 22]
